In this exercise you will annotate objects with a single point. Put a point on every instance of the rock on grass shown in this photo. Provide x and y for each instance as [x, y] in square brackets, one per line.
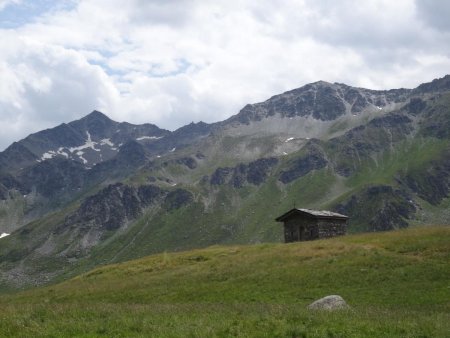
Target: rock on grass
[333, 302]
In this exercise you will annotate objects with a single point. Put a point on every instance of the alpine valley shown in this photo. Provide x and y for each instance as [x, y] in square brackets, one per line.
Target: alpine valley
[95, 191]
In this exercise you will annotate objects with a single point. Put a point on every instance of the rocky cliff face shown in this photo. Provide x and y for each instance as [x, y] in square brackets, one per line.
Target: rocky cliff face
[108, 212]
[313, 158]
[432, 183]
[255, 172]
[113, 207]
[361, 142]
[390, 208]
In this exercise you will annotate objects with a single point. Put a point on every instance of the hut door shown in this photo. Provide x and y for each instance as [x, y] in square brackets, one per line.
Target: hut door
[301, 234]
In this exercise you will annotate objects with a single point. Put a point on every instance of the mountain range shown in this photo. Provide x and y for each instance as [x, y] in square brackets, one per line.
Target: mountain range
[96, 191]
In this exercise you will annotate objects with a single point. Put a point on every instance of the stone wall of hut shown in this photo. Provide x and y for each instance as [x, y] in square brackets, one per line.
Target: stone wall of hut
[300, 228]
[331, 227]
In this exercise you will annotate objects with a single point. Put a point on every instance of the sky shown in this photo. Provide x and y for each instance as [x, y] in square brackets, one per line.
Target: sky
[171, 62]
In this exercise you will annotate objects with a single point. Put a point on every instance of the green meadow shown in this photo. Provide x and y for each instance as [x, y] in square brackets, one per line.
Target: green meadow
[396, 283]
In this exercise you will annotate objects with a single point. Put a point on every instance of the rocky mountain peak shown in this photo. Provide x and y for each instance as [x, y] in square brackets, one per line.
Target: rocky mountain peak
[96, 115]
[322, 101]
[318, 85]
[437, 85]
[96, 123]
[90, 140]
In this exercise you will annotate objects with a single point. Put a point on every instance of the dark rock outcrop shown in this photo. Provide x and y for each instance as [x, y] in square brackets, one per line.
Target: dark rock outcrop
[112, 207]
[359, 143]
[200, 156]
[149, 194]
[436, 120]
[187, 161]
[255, 172]
[354, 97]
[327, 105]
[437, 85]
[432, 183]
[132, 154]
[220, 176]
[97, 123]
[16, 156]
[54, 178]
[415, 106]
[9, 182]
[181, 138]
[396, 123]
[313, 159]
[177, 199]
[381, 207]
[63, 135]
[3, 192]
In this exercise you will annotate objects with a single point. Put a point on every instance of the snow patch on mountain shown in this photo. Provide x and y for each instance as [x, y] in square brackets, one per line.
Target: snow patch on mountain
[79, 151]
[80, 155]
[89, 144]
[52, 153]
[3, 234]
[49, 155]
[107, 141]
[148, 138]
[62, 152]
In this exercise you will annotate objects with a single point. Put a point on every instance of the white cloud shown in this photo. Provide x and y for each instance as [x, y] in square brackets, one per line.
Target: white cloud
[172, 62]
[45, 85]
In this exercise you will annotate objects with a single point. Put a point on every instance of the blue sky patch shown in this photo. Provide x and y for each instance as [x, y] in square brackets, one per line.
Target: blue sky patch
[18, 14]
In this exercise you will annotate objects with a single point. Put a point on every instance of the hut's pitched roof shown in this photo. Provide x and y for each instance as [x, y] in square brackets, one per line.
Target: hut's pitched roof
[311, 213]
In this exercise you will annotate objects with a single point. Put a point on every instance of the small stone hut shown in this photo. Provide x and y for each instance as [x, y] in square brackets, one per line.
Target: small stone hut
[307, 225]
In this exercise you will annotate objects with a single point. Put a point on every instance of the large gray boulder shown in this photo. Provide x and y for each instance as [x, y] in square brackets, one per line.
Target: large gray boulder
[333, 302]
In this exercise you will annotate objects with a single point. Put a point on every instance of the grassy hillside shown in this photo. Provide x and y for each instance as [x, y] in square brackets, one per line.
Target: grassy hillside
[397, 284]
[227, 215]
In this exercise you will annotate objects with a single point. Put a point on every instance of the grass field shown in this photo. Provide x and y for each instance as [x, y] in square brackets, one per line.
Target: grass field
[397, 284]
